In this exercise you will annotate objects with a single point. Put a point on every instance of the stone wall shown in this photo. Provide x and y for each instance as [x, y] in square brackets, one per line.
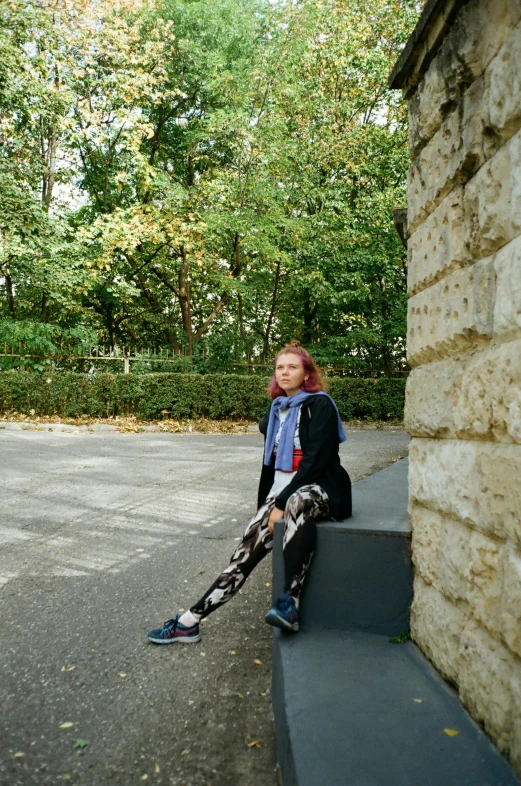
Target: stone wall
[463, 404]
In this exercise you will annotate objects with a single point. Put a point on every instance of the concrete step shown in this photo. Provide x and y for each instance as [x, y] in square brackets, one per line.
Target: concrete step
[361, 576]
[353, 708]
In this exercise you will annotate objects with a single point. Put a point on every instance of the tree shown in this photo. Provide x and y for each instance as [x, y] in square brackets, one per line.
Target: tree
[214, 175]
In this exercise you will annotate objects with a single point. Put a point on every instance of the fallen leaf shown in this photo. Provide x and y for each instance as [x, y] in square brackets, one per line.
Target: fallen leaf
[80, 743]
[156, 769]
[19, 755]
[183, 753]
[66, 777]
[66, 725]
[68, 668]
[232, 652]
[239, 695]
[451, 732]
[202, 654]
[234, 519]
[418, 701]
[122, 674]
[268, 584]
[200, 572]
[255, 744]
[257, 662]
[245, 638]
[144, 777]
[140, 549]
[264, 694]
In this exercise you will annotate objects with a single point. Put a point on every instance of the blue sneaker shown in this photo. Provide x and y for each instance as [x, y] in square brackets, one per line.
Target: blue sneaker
[173, 631]
[283, 614]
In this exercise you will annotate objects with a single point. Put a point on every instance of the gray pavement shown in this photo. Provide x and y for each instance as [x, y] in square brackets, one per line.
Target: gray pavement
[102, 536]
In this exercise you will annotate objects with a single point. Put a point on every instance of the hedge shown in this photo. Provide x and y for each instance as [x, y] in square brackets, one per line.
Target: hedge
[147, 396]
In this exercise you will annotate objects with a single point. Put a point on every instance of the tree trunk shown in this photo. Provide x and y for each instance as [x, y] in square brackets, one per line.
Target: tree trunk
[10, 294]
[184, 299]
[49, 150]
[242, 333]
[45, 307]
[308, 317]
[266, 345]
[386, 354]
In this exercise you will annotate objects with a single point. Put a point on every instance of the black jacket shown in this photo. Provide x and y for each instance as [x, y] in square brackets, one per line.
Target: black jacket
[318, 432]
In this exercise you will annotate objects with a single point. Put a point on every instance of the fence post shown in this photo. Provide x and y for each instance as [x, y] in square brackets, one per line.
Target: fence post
[127, 365]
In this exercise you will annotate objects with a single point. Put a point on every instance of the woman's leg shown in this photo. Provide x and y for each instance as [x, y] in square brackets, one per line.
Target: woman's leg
[256, 543]
[303, 509]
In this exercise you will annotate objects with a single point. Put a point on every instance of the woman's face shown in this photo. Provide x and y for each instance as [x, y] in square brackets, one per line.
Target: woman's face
[290, 373]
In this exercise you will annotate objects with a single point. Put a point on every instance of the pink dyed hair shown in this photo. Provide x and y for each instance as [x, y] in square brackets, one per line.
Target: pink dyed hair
[314, 382]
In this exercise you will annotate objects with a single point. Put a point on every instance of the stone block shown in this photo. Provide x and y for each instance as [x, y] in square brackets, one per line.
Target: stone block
[452, 315]
[484, 580]
[437, 626]
[510, 620]
[462, 564]
[486, 396]
[454, 560]
[503, 88]
[437, 247]
[430, 398]
[441, 164]
[507, 311]
[428, 108]
[474, 482]
[492, 201]
[474, 39]
[485, 682]
[481, 29]
[427, 530]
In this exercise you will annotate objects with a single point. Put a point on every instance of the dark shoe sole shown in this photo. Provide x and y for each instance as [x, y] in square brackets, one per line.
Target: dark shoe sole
[178, 639]
[278, 622]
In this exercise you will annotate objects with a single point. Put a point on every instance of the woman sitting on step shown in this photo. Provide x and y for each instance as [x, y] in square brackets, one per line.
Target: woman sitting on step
[302, 481]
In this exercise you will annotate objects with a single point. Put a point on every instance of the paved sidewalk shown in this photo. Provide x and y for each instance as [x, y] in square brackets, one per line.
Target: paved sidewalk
[102, 536]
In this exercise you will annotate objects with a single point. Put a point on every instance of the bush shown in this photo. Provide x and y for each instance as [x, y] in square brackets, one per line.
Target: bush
[215, 396]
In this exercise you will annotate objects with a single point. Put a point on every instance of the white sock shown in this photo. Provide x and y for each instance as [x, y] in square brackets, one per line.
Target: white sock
[188, 619]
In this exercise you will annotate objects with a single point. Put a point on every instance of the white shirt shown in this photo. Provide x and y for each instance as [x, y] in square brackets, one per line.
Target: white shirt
[282, 478]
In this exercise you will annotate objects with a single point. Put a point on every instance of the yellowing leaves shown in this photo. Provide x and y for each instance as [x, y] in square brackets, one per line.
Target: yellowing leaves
[451, 732]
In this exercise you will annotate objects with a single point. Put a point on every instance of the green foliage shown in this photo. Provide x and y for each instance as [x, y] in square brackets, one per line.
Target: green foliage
[148, 396]
[401, 638]
[39, 339]
[212, 176]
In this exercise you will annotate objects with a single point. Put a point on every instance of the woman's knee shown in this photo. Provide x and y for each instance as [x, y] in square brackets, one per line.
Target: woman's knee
[296, 504]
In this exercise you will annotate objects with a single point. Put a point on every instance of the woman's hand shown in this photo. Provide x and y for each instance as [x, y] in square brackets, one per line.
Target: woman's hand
[275, 515]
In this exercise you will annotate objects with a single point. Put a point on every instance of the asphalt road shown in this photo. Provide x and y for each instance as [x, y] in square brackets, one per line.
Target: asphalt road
[104, 535]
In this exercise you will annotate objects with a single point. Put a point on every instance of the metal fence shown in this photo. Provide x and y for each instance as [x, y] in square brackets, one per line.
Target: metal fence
[122, 357]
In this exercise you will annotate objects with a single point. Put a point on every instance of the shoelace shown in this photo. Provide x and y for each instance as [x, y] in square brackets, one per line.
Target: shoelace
[171, 625]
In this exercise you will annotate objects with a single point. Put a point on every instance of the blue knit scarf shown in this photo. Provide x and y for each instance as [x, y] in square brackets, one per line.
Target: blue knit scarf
[284, 460]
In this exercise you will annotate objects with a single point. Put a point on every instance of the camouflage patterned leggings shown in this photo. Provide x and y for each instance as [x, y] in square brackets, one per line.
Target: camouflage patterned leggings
[306, 506]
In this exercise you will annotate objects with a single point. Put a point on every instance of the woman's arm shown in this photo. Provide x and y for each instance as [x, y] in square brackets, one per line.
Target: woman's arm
[322, 443]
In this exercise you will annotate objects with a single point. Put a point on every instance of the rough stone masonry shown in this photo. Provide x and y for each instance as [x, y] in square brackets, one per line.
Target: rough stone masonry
[461, 74]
